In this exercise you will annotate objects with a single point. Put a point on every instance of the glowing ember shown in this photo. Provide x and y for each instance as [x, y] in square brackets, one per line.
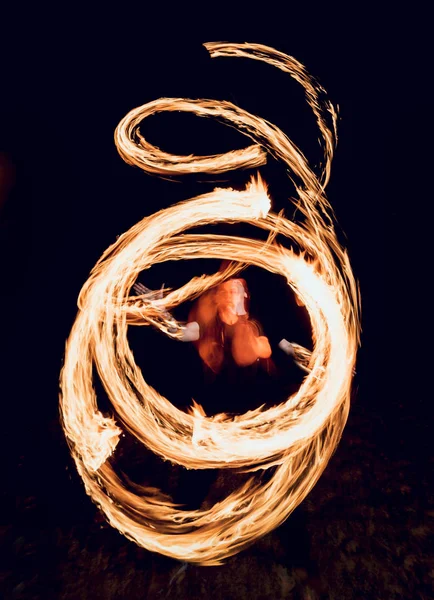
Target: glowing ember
[298, 436]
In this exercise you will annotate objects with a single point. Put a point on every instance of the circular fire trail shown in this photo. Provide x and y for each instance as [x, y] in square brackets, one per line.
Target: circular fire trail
[297, 437]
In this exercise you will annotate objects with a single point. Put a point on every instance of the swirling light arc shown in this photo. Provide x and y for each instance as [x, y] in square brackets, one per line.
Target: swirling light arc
[297, 437]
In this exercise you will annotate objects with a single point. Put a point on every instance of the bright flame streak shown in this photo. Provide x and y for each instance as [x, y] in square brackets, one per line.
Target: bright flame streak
[297, 437]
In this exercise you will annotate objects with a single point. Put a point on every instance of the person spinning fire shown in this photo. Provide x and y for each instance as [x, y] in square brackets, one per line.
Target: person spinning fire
[224, 331]
[221, 330]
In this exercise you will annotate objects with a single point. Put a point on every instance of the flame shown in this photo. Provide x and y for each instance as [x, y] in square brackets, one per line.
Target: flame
[297, 437]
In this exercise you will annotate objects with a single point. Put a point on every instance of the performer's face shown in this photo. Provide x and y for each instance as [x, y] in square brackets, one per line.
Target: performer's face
[231, 301]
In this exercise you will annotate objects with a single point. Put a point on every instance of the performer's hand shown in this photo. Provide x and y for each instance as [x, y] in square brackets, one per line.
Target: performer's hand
[287, 347]
[191, 332]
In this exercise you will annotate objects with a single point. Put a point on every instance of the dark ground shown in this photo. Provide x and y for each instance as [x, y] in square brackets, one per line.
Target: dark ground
[366, 529]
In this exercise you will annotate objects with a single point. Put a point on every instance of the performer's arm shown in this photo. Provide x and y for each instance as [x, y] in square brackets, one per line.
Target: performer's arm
[248, 346]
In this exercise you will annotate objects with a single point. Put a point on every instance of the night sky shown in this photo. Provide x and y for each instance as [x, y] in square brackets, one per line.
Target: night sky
[365, 530]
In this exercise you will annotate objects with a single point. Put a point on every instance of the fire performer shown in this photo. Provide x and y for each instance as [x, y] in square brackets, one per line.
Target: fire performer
[224, 335]
[226, 332]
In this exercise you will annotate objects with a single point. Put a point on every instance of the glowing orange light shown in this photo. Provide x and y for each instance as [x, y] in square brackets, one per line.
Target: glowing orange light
[298, 436]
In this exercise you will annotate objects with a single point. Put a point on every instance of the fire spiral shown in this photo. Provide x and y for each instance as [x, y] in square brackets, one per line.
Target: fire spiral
[297, 437]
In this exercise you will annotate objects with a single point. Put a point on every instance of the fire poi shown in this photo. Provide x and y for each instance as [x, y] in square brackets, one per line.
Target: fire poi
[296, 437]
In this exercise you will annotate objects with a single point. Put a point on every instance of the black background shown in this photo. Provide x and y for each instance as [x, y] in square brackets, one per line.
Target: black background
[67, 86]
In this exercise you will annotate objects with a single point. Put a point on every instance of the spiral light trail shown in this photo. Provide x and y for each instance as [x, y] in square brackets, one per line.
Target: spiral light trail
[297, 437]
